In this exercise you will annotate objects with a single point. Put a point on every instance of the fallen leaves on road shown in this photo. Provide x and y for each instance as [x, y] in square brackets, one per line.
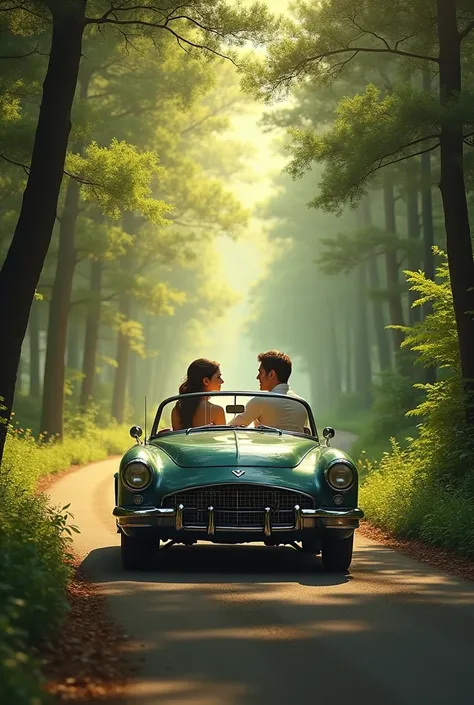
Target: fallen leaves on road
[437, 557]
[86, 660]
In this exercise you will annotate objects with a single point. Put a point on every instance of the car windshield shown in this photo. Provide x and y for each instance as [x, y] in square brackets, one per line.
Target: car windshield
[233, 404]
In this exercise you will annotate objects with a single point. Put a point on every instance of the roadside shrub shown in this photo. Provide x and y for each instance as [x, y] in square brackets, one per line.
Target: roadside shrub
[34, 571]
[34, 549]
[426, 490]
[31, 458]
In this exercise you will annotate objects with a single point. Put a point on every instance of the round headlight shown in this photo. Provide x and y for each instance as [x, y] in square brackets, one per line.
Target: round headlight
[341, 476]
[137, 475]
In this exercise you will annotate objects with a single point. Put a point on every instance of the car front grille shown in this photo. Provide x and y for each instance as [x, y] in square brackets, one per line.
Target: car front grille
[238, 506]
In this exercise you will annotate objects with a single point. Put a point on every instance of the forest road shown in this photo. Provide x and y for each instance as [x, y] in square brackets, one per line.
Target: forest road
[250, 625]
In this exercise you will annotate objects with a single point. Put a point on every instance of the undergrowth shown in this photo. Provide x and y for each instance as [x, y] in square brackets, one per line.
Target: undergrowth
[35, 548]
[426, 489]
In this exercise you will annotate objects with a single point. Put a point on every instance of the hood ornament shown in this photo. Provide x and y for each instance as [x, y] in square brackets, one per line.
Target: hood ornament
[238, 473]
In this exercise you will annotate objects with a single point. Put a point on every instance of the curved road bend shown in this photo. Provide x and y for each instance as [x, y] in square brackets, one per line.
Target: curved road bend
[250, 625]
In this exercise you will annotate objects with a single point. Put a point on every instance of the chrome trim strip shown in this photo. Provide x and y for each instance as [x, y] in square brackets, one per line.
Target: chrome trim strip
[237, 484]
[179, 517]
[211, 527]
[136, 517]
[298, 518]
[146, 512]
[267, 526]
[333, 513]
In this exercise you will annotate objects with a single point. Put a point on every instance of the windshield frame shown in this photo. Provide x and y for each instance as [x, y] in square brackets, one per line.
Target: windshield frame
[312, 424]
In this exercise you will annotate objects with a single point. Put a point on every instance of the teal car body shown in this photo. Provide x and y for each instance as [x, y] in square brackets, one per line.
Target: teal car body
[236, 485]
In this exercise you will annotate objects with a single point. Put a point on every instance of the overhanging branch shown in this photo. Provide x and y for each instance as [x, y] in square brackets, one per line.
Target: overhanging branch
[111, 17]
[318, 58]
[76, 177]
[467, 30]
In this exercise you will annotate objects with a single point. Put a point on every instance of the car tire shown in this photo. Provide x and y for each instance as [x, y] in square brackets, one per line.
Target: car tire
[136, 553]
[337, 554]
[311, 546]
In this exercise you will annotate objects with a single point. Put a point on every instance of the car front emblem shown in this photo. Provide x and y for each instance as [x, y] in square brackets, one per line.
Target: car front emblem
[238, 473]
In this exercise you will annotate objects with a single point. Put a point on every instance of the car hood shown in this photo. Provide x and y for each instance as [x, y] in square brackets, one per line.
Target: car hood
[235, 448]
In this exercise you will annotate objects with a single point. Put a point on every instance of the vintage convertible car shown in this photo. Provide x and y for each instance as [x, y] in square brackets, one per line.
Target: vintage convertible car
[236, 485]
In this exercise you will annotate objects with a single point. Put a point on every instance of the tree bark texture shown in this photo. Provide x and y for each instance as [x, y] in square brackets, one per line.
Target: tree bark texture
[33, 334]
[55, 368]
[427, 220]
[453, 193]
[54, 371]
[392, 267]
[22, 266]
[92, 334]
[414, 233]
[349, 358]
[362, 352]
[379, 322]
[74, 344]
[427, 204]
[121, 373]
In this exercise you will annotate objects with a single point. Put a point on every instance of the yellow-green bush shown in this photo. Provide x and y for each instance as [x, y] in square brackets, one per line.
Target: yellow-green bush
[34, 547]
[426, 490]
[32, 458]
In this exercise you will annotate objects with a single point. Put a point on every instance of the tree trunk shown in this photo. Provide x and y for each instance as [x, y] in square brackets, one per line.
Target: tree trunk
[73, 344]
[349, 359]
[383, 347]
[414, 237]
[363, 366]
[22, 266]
[33, 332]
[123, 353]
[427, 205]
[54, 371]
[54, 374]
[453, 192]
[379, 318]
[427, 225]
[392, 267]
[333, 365]
[132, 380]
[92, 334]
[19, 383]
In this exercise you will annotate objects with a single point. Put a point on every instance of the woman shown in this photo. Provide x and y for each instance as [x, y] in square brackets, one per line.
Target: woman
[203, 376]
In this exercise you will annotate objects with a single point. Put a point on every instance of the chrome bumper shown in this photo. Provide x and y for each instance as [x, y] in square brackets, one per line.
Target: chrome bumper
[173, 519]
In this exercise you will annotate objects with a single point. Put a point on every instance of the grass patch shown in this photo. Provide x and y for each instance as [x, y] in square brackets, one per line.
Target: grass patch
[35, 564]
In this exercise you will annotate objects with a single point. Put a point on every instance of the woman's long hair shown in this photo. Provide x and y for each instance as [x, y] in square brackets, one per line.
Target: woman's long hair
[197, 370]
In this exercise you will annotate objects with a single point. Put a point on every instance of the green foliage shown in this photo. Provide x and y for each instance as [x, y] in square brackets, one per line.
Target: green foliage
[35, 548]
[435, 341]
[120, 178]
[347, 250]
[370, 131]
[427, 489]
[84, 442]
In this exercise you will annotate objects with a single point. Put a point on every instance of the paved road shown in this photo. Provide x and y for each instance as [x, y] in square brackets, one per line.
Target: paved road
[250, 625]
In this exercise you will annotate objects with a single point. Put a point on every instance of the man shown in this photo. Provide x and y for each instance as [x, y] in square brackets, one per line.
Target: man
[273, 375]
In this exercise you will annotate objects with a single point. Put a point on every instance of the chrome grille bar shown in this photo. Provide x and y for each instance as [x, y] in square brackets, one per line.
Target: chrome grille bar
[267, 527]
[211, 527]
[252, 507]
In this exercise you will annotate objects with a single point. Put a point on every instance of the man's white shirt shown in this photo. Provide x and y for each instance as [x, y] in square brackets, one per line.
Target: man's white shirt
[280, 413]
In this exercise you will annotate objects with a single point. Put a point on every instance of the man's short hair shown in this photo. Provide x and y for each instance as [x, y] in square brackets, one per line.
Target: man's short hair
[277, 361]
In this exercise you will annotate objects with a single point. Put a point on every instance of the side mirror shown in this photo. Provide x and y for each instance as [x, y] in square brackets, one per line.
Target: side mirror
[136, 432]
[328, 433]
